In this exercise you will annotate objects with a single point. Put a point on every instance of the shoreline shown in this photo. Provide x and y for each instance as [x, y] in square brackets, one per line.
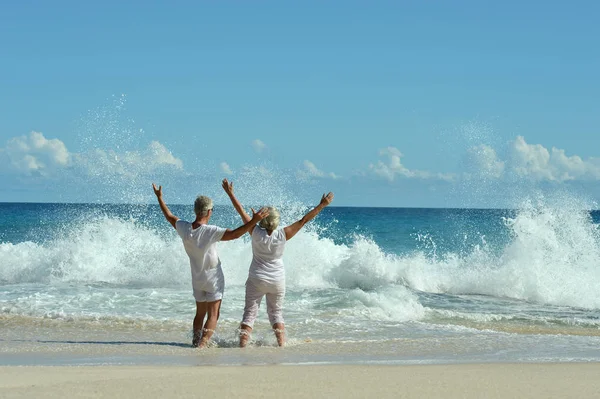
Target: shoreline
[41, 342]
[496, 380]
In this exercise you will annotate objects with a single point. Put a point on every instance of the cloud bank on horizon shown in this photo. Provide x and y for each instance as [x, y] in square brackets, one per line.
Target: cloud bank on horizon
[37, 156]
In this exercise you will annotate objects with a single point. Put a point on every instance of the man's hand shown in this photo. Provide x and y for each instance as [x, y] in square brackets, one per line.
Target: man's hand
[326, 199]
[228, 187]
[260, 215]
[157, 191]
[247, 227]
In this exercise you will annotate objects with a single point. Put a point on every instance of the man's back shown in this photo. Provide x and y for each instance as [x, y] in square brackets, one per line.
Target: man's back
[199, 244]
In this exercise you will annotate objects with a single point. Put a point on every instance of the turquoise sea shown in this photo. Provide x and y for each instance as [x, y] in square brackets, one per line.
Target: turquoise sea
[89, 283]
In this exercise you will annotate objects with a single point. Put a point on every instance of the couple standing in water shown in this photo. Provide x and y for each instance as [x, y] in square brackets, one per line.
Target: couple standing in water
[266, 276]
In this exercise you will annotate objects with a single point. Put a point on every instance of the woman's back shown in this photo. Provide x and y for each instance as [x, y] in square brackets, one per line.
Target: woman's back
[267, 255]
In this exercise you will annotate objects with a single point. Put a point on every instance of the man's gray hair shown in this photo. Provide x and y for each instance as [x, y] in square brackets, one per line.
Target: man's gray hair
[272, 221]
[202, 205]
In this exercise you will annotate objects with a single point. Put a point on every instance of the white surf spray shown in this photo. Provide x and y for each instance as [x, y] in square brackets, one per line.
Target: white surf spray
[553, 257]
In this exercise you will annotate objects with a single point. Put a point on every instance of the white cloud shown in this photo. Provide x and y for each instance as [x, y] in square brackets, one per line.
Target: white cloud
[35, 154]
[531, 161]
[538, 163]
[252, 173]
[225, 168]
[130, 163]
[159, 155]
[484, 162]
[310, 170]
[524, 161]
[392, 167]
[258, 145]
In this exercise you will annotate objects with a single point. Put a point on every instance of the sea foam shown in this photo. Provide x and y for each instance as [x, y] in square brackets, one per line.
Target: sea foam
[552, 257]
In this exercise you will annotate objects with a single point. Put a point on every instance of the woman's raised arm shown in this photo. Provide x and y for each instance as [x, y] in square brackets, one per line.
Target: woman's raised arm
[228, 187]
[294, 228]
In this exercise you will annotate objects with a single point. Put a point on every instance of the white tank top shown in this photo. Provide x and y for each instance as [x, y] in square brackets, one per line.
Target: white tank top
[267, 255]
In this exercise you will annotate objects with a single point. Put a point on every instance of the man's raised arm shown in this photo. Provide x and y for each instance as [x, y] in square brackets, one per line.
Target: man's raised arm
[240, 231]
[163, 207]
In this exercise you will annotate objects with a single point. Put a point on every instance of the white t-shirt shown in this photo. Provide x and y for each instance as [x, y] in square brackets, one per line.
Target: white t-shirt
[199, 244]
[267, 254]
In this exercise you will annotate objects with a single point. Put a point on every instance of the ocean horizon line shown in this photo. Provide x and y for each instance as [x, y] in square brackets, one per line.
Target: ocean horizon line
[225, 205]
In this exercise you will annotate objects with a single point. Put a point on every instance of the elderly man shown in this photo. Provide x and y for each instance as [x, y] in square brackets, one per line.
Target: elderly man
[199, 240]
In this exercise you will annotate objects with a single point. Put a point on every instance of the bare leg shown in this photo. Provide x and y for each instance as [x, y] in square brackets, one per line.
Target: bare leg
[198, 321]
[213, 310]
[279, 330]
[244, 335]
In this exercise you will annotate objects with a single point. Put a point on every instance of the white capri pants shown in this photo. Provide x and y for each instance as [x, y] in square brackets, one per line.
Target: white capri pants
[255, 290]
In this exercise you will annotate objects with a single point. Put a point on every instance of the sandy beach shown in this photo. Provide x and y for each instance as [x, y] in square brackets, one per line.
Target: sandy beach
[564, 380]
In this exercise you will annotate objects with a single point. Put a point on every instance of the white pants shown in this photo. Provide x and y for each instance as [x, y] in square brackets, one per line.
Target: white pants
[255, 290]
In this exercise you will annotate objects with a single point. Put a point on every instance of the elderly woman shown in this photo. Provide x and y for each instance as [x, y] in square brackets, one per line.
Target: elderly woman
[266, 276]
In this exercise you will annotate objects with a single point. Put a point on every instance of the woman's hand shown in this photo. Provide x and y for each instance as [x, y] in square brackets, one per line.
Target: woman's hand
[228, 187]
[326, 199]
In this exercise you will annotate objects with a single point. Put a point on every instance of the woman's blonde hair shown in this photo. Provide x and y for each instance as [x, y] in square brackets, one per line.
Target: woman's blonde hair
[271, 222]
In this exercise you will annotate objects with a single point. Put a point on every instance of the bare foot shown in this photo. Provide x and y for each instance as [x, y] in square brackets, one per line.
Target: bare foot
[244, 335]
[280, 335]
[196, 340]
[203, 343]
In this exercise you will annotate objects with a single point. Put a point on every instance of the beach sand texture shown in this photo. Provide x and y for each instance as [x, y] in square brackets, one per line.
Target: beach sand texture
[564, 380]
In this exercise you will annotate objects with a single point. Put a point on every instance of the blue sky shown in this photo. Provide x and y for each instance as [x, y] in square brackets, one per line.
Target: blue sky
[463, 103]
